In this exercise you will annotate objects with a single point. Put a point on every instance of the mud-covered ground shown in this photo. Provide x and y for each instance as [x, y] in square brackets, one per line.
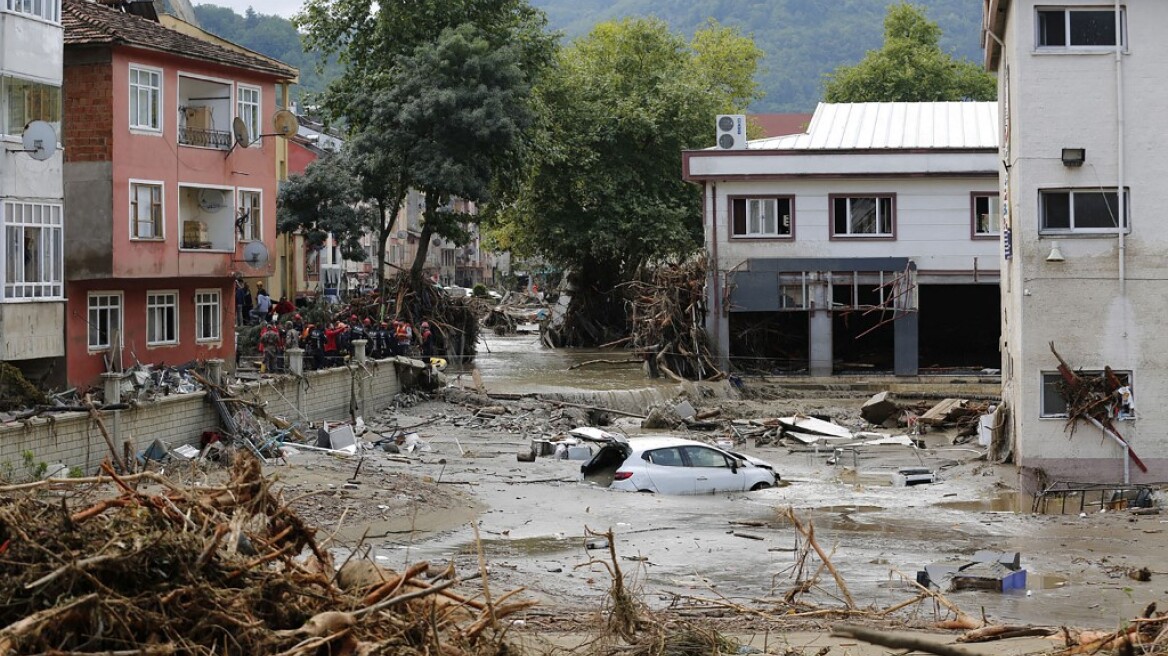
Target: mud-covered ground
[685, 551]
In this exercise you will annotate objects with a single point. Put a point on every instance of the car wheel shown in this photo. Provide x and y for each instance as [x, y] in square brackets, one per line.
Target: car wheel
[648, 491]
[760, 486]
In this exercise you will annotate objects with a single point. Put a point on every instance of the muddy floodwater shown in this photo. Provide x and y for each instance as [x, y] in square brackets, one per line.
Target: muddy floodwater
[740, 547]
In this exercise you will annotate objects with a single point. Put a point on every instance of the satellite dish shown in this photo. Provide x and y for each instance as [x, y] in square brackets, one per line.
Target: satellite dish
[239, 129]
[211, 200]
[401, 234]
[285, 124]
[255, 254]
[40, 140]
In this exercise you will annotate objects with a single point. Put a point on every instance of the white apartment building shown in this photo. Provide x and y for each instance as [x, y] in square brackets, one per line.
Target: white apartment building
[32, 292]
[867, 244]
[1082, 95]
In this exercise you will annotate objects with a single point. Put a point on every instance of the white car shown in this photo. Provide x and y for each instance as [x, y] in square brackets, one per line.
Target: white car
[672, 465]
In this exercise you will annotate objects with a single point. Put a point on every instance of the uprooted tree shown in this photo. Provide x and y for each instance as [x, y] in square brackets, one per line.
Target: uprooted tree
[600, 193]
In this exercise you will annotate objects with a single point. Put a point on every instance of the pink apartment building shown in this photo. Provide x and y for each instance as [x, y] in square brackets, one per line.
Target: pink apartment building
[161, 203]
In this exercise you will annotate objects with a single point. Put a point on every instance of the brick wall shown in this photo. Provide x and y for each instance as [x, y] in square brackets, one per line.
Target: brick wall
[75, 441]
[87, 96]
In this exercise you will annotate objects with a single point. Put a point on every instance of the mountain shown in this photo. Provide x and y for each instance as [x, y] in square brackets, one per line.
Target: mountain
[803, 39]
[269, 35]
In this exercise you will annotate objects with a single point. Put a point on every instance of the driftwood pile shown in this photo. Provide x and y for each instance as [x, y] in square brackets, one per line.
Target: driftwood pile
[143, 565]
[668, 306]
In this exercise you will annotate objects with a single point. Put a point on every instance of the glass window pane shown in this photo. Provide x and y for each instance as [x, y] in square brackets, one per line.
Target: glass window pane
[840, 216]
[1053, 403]
[1092, 28]
[1056, 210]
[863, 216]
[1096, 210]
[1052, 27]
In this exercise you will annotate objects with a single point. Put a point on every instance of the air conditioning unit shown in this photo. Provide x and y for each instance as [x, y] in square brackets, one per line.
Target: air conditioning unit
[731, 129]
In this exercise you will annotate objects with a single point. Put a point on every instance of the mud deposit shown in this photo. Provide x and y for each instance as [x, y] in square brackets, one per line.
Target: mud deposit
[532, 518]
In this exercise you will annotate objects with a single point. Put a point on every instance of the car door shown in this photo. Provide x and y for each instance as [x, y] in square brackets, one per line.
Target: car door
[667, 471]
[713, 471]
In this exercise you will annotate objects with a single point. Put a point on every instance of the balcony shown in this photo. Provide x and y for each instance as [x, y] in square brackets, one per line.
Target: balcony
[206, 217]
[205, 113]
[217, 139]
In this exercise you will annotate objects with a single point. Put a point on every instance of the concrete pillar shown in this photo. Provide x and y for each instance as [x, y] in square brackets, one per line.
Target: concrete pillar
[359, 350]
[215, 370]
[906, 339]
[112, 386]
[295, 361]
[820, 351]
[363, 383]
[717, 320]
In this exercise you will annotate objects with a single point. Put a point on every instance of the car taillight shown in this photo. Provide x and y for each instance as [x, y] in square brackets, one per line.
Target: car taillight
[622, 476]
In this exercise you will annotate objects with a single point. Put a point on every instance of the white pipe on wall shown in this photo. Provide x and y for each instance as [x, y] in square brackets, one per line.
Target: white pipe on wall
[1119, 148]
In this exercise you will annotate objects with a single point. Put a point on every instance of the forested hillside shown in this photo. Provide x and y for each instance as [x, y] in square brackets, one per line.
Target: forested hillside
[803, 39]
[269, 35]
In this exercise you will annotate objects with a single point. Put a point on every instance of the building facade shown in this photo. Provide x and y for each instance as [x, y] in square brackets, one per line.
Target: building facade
[866, 244]
[166, 200]
[32, 286]
[1083, 266]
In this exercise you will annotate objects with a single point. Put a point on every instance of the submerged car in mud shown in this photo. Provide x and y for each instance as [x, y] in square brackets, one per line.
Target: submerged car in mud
[673, 465]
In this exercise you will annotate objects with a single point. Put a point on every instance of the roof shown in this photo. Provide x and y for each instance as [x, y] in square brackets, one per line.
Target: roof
[894, 126]
[777, 125]
[89, 23]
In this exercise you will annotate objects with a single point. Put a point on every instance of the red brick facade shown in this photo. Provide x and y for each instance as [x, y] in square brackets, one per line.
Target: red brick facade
[88, 102]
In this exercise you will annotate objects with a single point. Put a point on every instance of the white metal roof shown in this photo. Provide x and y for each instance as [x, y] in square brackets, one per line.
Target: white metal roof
[893, 125]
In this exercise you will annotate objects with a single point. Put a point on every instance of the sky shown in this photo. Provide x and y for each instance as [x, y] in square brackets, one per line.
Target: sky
[285, 8]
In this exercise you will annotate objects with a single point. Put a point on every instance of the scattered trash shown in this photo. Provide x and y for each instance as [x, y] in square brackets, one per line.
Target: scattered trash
[596, 543]
[879, 409]
[986, 570]
[909, 476]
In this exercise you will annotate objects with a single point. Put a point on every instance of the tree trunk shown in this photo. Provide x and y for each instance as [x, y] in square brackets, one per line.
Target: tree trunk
[384, 232]
[424, 239]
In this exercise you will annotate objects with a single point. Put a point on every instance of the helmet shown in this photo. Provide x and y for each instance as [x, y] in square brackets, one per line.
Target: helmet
[297, 318]
[425, 324]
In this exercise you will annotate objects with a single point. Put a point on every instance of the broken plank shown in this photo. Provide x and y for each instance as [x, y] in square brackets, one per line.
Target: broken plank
[940, 412]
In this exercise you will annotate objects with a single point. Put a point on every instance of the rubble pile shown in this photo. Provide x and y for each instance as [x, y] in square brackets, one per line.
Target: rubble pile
[668, 308]
[142, 564]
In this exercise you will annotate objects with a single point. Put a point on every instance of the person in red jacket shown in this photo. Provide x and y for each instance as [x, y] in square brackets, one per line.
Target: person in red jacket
[331, 354]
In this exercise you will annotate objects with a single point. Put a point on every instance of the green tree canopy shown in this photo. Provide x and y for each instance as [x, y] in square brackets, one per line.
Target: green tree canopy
[601, 191]
[910, 67]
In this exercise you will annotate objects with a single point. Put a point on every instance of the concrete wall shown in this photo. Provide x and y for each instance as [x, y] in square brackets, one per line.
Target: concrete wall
[74, 440]
[31, 330]
[1062, 100]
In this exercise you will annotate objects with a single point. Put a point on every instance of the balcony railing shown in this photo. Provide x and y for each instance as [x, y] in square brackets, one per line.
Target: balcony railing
[204, 138]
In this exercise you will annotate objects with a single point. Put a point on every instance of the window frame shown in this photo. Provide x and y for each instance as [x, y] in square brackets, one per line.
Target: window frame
[1044, 193]
[1067, 10]
[132, 88]
[53, 7]
[49, 284]
[217, 305]
[973, 222]
[163, 306]
[133, 204]
[1125, 375]
[747, 199]
[253, 122]
[862, 236]
[256, 227]
[121, 320]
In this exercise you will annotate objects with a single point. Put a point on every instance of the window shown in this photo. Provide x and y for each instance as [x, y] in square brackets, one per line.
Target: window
[145, 98]
[1081, 210]
[987, 215]
[161, 318]
[24, 101]
[207, 315]
[862, 216]
[49, 10]
[1053, 403]
[247, 107]
[247, 222]
[1079, 27]
[145, 211]
[105, 320]
[670, 457]
[761, 217]
[33, 266]
[700, 456]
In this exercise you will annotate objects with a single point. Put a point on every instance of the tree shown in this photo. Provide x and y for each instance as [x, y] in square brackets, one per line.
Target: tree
[602, 192]
[910, 67]
[323, 200]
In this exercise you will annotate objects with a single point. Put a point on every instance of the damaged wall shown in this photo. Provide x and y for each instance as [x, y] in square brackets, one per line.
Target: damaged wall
[75, 441]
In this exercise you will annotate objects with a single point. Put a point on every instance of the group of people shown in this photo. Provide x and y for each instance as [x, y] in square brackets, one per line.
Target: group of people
[263, 309]
[329, 345]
